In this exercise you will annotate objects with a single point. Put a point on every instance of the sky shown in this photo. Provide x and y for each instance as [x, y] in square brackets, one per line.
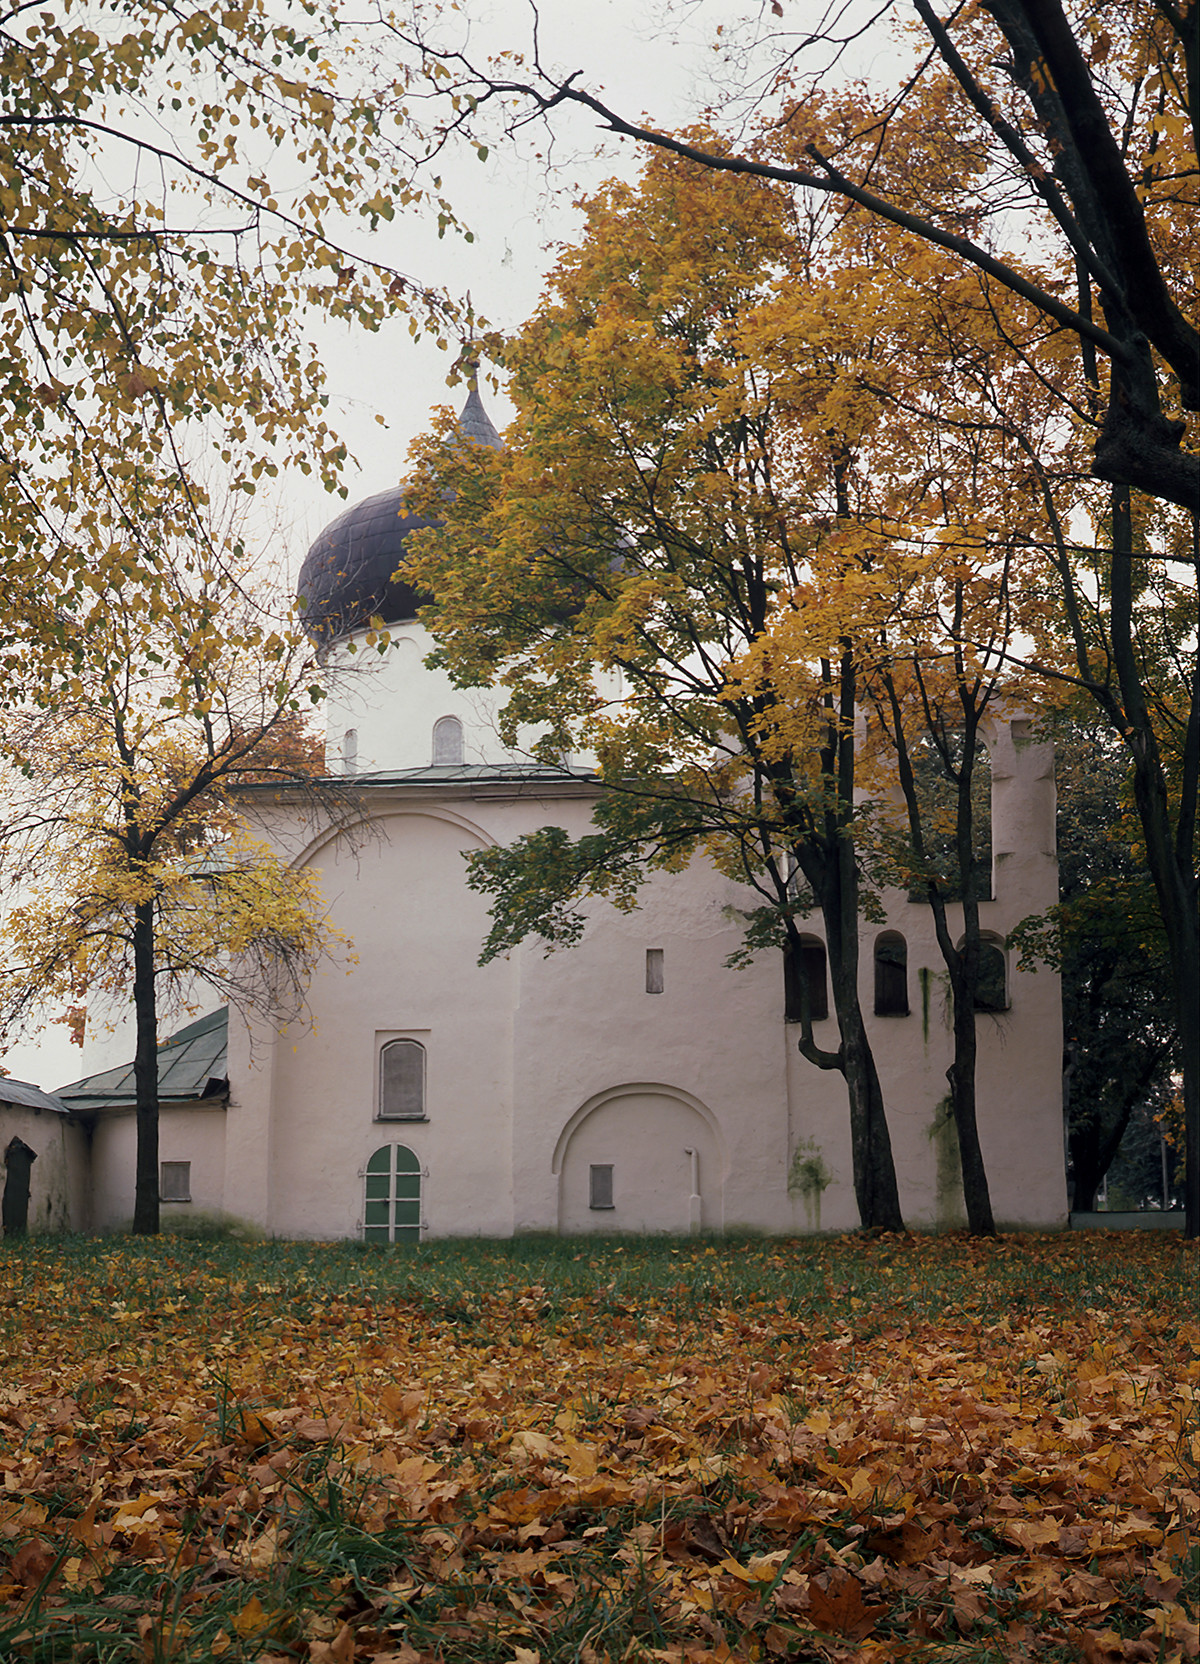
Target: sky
[519, 208]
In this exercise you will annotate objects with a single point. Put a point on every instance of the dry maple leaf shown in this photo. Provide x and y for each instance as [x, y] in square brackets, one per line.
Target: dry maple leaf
[32, 1562]
[907, 1544]
[839, 1607]
[338, 1651]
[1108, 1647]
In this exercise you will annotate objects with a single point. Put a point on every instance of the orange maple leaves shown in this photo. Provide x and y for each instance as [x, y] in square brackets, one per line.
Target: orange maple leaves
[696, 1471]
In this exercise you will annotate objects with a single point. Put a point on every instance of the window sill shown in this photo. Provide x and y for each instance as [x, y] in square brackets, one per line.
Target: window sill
[400, 1120]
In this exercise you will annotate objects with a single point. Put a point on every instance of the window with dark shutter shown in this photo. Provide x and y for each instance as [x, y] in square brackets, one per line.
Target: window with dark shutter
[175, 1181]
[600, 1185]
[891, 974]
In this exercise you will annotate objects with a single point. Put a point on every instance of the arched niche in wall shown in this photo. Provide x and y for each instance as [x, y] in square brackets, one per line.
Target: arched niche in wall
[447, 742]
[804, 967]
[640, 1157]
[991, 991]
[891, 974]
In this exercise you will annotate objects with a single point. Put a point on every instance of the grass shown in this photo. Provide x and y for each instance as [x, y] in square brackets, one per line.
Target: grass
[594, 1450]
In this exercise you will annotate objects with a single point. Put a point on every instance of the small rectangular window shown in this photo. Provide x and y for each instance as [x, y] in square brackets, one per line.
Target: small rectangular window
[175, 1182]
[654, 970]
[600, 1185]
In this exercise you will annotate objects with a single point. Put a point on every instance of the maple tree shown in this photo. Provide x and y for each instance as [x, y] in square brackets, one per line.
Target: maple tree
[130, 869]
[749, 502]
[581, 1452]
[655, 470]
[160, 267]
[1081, 202]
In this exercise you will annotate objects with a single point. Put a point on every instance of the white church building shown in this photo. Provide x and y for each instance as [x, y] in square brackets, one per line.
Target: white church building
[631, 1083]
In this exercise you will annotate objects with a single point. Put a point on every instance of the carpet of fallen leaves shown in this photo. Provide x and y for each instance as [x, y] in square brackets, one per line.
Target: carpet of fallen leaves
[866, 1449]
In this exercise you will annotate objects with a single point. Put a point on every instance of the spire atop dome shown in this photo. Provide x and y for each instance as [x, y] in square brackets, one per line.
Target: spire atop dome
[473, 420]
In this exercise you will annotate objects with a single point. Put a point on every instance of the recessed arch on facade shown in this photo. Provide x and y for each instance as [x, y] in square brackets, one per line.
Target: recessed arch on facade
[805, 970]
[362, 827]
[891, 974]
[642, 1156]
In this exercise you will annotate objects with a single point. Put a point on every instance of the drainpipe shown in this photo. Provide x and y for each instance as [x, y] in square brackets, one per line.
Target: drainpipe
[694, 1199]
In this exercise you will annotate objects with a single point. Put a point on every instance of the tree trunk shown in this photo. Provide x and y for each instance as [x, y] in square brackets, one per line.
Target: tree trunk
[145, 1072]
[961, 1075]
[875, 1186]
[1092, 1154]
[1170, 858]
[963, 966]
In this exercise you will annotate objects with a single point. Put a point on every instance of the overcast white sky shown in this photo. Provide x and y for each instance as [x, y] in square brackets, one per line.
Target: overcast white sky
[518, 211]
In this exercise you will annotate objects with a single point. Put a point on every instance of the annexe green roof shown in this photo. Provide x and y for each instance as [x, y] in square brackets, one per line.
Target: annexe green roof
[192, 1064]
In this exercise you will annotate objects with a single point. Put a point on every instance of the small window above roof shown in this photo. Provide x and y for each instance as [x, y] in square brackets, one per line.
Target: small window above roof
[447, 742]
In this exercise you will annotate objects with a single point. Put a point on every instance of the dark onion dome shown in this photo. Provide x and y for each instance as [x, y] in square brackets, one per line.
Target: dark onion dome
[348, 574]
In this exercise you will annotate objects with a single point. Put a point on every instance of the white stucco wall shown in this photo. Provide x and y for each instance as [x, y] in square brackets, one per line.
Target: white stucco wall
[308, 1098]
[390, 700]
[193, 1133]
[540, 1066]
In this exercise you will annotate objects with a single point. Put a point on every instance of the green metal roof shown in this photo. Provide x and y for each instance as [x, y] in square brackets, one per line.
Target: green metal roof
[448, 774]
[192, 1064]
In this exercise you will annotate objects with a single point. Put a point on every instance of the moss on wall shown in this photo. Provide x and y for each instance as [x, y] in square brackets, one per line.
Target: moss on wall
[943, 1135]
[807, 1178]
[925, 977]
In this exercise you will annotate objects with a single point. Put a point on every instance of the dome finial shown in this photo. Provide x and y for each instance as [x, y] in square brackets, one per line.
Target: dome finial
[474, 423]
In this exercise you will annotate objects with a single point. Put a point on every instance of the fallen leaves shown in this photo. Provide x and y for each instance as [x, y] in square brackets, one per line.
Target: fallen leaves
[643, 1478]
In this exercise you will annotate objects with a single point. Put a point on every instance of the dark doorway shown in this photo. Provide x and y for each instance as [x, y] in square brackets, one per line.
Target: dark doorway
[14, 1210]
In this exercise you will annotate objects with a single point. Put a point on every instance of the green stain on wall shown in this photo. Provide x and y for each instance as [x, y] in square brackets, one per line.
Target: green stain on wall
[925, 977]
[943, 1135]
[807, 1178]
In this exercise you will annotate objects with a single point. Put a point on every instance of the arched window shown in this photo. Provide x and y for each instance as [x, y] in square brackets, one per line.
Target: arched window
[804, 968]
[392, 1203]
[402, 1081]
[891, 974]
[991, 992]
[447, 742]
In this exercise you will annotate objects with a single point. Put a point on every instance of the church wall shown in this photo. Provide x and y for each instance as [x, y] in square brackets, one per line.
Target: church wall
[391, 702]
[541, 1069]
[417, 930]
[589, 1034]
[539, 1065]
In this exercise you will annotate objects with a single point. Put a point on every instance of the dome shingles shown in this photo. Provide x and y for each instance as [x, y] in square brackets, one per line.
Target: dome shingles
[348, 574]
